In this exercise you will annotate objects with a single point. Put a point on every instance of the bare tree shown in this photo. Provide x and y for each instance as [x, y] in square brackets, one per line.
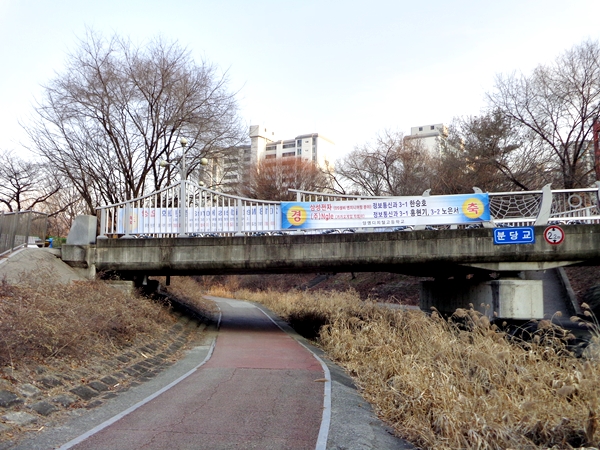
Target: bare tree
[117, 109]
[558, 104]
[270, 179]
[62, 208]
[491, 153]
[24, 185]
[390, 165]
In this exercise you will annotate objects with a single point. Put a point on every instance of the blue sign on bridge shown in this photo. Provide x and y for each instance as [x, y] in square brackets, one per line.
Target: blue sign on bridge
[517, 235]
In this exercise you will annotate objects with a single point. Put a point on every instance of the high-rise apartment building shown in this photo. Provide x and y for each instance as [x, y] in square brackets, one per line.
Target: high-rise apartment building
[265, 145]
[311, 147]
[432, 138]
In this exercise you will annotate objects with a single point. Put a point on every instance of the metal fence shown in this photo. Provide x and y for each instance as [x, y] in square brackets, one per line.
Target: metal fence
[206, 213]
[520, 208]
[209, 213]
[21, 229]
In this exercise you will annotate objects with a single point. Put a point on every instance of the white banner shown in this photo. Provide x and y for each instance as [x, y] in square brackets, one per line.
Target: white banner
[199, 220]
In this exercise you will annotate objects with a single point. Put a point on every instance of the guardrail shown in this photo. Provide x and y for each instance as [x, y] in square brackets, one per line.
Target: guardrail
[20, 229]
[206, 213]
[520, 208]
[211, 213]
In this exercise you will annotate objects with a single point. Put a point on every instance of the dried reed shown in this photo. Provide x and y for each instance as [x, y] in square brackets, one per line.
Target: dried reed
[452, 384]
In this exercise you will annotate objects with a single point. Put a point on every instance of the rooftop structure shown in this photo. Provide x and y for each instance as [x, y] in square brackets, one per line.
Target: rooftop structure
[433, 138]
[311, 147]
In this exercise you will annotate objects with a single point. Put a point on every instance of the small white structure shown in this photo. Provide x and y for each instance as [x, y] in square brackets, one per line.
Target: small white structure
[432, 138]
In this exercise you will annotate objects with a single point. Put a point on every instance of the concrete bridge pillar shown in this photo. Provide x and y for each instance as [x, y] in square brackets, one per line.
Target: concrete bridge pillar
[508, 298]
[78, 252]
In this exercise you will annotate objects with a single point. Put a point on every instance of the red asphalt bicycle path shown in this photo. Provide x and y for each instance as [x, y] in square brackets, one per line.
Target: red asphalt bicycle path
[259, 389]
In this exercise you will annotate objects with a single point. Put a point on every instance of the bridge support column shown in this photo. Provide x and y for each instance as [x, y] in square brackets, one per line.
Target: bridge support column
[504, 298]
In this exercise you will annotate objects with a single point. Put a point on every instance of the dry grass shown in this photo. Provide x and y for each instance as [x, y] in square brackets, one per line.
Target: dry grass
[39, 322]
[449, 385]
[188, 292]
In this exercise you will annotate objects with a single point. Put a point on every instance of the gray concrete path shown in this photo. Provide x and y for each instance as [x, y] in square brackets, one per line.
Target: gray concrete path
[260, 389]
[248, 385]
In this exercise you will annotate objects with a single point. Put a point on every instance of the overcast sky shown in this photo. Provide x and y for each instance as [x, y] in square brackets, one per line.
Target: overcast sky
[344, 69]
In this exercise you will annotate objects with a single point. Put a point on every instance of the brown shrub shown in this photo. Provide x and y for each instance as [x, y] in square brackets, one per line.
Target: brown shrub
[445, 385]
[42, 321]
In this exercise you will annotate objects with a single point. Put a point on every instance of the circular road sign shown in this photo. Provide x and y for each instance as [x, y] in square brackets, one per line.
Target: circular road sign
[554, 235]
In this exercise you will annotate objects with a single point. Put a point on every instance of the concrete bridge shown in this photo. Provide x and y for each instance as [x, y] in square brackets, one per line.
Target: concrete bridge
[468, 261]
[466, 265]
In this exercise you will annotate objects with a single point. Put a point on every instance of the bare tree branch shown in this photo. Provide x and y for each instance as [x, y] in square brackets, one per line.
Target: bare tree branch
[557, 104]
[119, 108]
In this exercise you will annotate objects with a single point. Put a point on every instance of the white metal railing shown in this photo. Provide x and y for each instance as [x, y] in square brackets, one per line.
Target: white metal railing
[559, 206]
[211, 213]
[308, 196]
[206, 213]
[520, 208]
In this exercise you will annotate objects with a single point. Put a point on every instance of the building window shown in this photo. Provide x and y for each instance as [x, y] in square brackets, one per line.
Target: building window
[299, 152]
[271, 147]
[292, 145]
[420, 128]
[284, 155]
[432, 127]
[299, 143]
[270, 156]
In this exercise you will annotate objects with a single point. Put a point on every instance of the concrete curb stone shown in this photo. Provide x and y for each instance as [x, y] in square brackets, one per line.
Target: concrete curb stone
[46, 397]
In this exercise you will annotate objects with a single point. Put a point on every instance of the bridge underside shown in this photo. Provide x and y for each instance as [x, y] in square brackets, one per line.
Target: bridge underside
[466, 265]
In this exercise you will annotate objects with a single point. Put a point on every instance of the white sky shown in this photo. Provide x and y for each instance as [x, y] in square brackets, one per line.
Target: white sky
[345, 69]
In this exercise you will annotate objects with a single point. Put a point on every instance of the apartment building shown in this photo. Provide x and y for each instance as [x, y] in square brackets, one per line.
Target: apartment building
[311, 147]
[432, 138]
[264, 144]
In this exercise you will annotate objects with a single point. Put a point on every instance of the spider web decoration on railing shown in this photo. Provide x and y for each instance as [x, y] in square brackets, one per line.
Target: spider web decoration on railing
[211, 213]
[512, 205]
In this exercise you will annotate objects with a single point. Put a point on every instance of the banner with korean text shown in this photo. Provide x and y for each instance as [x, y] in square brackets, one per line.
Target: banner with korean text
[388, 212]
[199, 220]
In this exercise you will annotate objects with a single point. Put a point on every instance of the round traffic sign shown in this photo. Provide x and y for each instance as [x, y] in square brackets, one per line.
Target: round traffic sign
[554, 235]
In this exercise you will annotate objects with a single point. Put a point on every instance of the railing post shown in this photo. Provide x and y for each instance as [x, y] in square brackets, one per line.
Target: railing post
[490, 223]
[426, 193]
[239, 217]
[102, 224]
[182, 205]
[13, 232]
[545, 207]
[28, 229]
[126, 220]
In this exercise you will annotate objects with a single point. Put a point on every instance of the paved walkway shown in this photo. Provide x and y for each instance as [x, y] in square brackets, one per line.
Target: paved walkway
[259, 389]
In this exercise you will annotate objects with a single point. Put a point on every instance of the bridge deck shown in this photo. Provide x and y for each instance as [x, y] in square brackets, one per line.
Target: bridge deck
[424, 253]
